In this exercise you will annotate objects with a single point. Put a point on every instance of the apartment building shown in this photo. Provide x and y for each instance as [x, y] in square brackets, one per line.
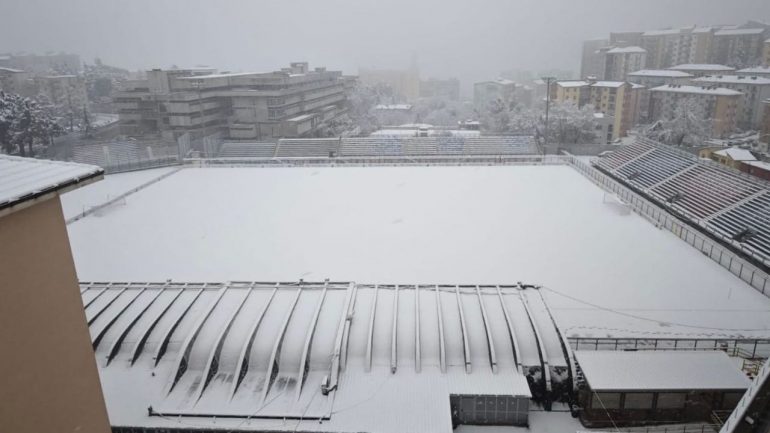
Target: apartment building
[14, 80]
[757, 71]
[486, 92]
[620, 61]
[718, 104]
[766, 55]
[667, 47]
[755, 90]
[764, 135]
[62, 64]
[292, 102]
[63, 90]
[435, 88]
[651, 78]
[740, 46]
[617, 100]
[592, 60]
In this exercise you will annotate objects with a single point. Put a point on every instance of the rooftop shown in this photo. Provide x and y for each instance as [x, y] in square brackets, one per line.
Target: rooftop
[739, 32]
[697, 90]
[573, 83]
[614, 84]
[702, 67]
[624, 50]
[758, 70]
[662, 32]
[23, 179]
[660, 371]
[668, 73]
[736, 154]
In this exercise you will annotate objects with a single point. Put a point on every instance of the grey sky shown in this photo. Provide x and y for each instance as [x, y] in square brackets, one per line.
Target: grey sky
[468, 39]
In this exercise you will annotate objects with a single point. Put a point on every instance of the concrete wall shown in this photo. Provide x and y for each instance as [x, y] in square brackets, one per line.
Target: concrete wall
[49, 380]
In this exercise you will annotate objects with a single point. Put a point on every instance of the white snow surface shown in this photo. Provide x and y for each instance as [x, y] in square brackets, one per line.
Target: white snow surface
[457, 225]
[113, 185]
[660, 370]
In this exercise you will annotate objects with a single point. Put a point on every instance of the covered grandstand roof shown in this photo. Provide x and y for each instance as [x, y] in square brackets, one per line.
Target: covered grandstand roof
[23, 179]
[660, 371]
[261, 351]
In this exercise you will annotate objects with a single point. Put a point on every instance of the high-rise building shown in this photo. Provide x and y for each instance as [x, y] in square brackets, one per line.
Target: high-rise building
[667, 47]
[755, 90]
[620, 61]
[592, 60]
[292, 102]
[719, 105]
[766, 56]
[741, 47]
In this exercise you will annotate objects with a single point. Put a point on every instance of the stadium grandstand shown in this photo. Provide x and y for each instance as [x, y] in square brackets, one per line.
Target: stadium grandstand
[382, 146]
[730, 205]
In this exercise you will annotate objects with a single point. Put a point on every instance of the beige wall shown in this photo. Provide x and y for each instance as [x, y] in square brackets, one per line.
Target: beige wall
[49, 380]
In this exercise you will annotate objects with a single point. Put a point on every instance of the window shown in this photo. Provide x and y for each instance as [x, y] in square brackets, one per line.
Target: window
[670, 400]
[641, 400]
[605, 400]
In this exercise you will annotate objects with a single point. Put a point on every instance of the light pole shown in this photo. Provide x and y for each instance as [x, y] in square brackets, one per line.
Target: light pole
[547, 106]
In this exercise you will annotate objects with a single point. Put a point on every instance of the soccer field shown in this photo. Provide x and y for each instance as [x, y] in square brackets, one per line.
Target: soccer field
[544, 225]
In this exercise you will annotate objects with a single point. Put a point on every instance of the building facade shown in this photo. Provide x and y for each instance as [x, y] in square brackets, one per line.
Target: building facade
[740, 47]
[592, 60]
[486, 92]
[755, 90]
[292, 102]
[619, 62]
[50, 381]
[718, 104]
[405, 83]
[617, 100]
[766, 55]
[701, 69]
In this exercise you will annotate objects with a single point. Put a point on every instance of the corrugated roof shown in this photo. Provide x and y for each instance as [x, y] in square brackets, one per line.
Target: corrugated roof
[23, 179]
[660, 370]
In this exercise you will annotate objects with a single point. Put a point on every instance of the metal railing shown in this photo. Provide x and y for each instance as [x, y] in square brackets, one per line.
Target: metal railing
[743, 348]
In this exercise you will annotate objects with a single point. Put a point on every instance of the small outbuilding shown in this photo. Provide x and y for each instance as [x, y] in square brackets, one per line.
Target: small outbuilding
[626, 388]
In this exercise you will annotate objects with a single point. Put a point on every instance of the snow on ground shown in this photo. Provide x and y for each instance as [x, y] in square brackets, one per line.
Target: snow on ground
[536, 224]
[113, 185]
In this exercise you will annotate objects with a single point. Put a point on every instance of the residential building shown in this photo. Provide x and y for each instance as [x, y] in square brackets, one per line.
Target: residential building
[760, 169]
[755, 90]
[618, 100]
[50, 381]
[718, 104]
[14, 80]
[666, 48]
[766, 55]
[620, 61]
[701, 69]
[650, 78]
[487, 92]
[292, 102]
[625, 39]
[592, 60]
[445, 89]
[701, 44]
[757, 71]
[405, 83]
[741, 47]
[59, 64]
[63, 90]
[764, 135]
[732, 157]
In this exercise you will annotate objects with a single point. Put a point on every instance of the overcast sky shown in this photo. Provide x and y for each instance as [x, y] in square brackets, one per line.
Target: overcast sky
[469, 39]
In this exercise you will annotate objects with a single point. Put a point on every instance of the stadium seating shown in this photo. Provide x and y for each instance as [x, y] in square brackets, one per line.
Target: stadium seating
[247, 150]
[718, 198]
[307, 147]
[426, 146]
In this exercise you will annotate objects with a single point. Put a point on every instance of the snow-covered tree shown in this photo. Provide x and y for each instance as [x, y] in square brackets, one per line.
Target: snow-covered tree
[24, 124]
[689, 126]
[569, 123]
[441, 111]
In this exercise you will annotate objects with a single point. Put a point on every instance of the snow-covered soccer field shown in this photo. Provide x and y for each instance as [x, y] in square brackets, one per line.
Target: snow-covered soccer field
[467, 225]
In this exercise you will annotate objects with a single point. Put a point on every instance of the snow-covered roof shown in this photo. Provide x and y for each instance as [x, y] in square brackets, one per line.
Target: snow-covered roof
[213, 76]
[736, 154]
[626, 50]
[701, 67]
[614, 84]
[660, 370]
[393, 107]
[573, 83]
[757, 70]
[734, 79]
[389, 355]
[662, 32]
[702, 29]
[11, 70]
[739, 32]
[668, 73]
[715, 91]
[24, 179]
[759, 164]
